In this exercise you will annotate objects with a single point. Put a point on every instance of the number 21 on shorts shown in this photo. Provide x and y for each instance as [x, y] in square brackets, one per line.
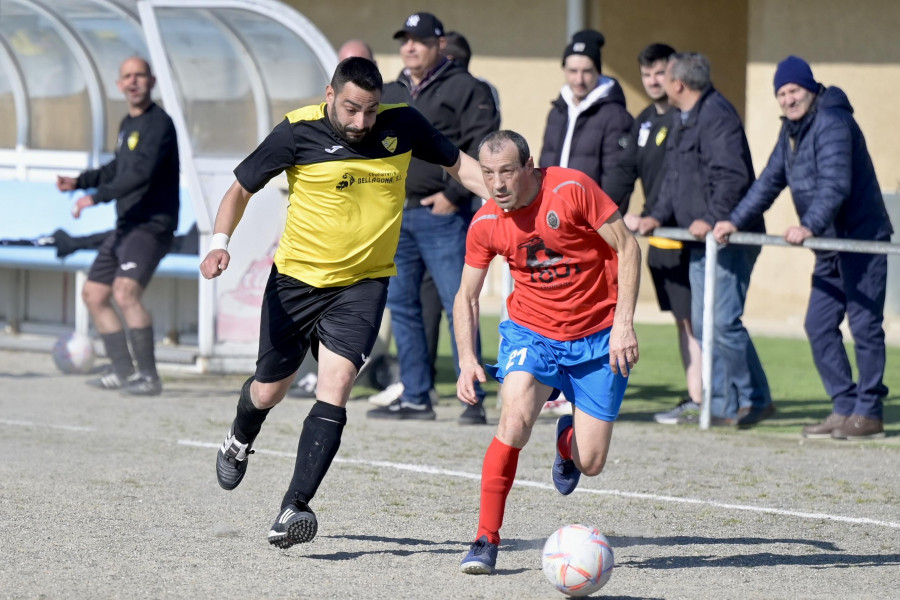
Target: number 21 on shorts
[518, 354]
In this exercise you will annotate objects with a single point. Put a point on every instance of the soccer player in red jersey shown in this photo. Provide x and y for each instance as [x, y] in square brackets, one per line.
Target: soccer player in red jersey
[570, 328]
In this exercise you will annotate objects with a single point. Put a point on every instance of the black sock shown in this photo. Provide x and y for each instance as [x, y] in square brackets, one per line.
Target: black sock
[319, 442]
[249, 419]
[144, 350]
[116, 345]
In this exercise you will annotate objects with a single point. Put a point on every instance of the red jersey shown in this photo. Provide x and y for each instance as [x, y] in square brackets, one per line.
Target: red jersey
[565, 274]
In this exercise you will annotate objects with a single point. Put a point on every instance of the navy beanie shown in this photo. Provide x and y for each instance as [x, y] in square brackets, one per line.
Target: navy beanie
[795, 70]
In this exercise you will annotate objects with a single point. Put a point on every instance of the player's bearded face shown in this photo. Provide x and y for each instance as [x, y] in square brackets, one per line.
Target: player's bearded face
[350, 132]
[352, 112]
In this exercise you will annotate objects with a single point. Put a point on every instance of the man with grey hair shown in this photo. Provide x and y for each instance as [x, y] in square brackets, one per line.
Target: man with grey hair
[707, 171]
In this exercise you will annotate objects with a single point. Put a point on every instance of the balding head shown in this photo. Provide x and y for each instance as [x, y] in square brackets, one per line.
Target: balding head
[355, 48]
[135, 82]
[134, 64]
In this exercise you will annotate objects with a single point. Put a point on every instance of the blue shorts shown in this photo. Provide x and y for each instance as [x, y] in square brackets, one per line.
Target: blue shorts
[578, 368]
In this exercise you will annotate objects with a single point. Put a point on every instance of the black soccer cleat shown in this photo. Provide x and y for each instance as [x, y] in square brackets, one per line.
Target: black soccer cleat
[142, 384]
[295, 524]
[107, 381]
[564, 472]
[231, 461]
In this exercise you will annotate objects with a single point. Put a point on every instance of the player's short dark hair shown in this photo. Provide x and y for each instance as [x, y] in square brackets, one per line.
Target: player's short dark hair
[358, 71]
[495, 140]
[653, 53]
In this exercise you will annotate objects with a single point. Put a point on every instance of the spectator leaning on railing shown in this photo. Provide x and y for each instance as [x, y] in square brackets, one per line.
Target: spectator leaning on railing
[707, 170]
[821, 155]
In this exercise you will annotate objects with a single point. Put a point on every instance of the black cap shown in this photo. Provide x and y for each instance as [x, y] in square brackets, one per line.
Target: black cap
[421, 25]
[586, 43]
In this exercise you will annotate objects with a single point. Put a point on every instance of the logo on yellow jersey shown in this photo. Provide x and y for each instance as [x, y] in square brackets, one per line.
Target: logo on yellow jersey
[661, 135]
[345, 182]
[133, 139]
[389, 143]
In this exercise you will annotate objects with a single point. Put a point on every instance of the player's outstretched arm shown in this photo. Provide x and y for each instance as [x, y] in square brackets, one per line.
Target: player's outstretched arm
[229, 215]
[465, 322]
[623, 345]
[467, 171]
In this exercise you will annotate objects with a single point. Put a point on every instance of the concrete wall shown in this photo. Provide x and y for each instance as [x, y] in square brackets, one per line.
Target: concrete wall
[518, 47]
[855, 50]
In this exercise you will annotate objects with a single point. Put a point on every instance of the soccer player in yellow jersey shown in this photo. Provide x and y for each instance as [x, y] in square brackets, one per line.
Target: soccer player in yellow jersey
[346, 162]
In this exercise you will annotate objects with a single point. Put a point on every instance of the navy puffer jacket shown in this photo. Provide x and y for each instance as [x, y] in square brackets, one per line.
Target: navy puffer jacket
[830, 173]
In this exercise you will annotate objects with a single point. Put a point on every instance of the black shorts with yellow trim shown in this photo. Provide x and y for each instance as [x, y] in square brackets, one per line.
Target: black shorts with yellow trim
[297, 317]
[669, 262]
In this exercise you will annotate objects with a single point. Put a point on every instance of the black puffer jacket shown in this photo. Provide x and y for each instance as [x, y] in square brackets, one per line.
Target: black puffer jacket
[599, 134]
[459, 106]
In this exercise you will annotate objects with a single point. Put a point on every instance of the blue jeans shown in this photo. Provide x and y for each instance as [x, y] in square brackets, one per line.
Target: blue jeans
[436, 243]
[855, 285]
[738, 377]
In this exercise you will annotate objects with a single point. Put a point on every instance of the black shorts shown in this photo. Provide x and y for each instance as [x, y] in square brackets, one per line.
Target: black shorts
[133, 253]
[297, 316]
[670, 270]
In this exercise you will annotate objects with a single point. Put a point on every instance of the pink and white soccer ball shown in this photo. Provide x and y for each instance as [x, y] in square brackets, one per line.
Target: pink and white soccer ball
[578, 560]
[74, 353]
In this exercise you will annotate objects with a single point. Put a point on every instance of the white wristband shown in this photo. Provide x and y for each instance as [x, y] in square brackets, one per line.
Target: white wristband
[219, 242]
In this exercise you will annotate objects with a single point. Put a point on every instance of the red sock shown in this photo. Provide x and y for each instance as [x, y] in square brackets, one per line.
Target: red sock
[564, 444]
[497, 475]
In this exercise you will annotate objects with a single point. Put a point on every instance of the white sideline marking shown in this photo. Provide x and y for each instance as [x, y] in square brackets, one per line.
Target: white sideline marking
[45, 425]
[545, 486]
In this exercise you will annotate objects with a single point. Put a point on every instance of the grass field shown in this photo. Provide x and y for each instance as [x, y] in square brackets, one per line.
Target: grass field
[658, 381]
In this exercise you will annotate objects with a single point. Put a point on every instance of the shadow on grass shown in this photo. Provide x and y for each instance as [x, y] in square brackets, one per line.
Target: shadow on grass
[642, 401]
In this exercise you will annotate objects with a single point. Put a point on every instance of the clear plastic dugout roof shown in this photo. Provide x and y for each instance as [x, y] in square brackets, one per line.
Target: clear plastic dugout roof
[227, 71]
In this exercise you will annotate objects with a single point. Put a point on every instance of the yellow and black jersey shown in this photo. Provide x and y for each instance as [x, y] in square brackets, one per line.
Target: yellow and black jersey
[346, 200]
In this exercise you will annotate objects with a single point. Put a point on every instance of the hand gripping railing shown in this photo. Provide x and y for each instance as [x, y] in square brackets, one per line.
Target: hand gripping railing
[750, 239]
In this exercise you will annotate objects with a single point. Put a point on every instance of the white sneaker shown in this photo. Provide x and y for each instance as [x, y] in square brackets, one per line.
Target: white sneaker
[388, 395]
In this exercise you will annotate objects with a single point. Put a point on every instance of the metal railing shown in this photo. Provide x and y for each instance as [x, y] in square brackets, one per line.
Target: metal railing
[709, 295]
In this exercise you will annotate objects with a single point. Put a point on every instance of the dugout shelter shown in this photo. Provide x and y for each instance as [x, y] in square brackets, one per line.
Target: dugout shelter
[227, 71]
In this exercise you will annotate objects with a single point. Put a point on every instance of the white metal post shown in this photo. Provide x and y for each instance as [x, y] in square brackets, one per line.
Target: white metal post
[82, 316]
[709, 323]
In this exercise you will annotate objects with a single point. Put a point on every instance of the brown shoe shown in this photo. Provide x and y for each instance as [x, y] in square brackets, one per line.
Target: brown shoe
[858, 427]
[824, 429]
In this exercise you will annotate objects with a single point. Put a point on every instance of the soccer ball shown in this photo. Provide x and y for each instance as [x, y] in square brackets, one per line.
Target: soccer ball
[74, 353]
[578, 560]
